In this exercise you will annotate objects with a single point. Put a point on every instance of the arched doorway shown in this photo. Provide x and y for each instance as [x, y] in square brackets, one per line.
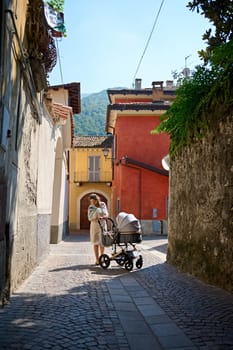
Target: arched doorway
[84, 203]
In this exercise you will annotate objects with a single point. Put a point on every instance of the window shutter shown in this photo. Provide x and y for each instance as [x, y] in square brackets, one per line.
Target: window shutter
[94, 168]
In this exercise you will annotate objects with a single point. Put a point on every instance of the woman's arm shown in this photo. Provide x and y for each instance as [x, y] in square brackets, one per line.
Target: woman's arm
[104, 210]
[92, 213]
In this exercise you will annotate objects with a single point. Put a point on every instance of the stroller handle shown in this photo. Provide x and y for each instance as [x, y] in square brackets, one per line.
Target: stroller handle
[107, 219]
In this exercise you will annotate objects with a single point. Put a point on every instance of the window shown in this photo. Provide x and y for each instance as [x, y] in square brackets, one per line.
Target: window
[94, 168]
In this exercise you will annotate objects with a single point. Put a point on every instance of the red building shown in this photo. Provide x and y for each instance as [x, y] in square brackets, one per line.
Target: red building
[140, 183]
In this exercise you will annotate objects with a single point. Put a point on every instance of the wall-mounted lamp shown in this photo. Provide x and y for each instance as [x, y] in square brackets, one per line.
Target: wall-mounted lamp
[105, 151]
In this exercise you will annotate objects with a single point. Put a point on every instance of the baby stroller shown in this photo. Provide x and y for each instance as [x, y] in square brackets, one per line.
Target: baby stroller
[122, 236]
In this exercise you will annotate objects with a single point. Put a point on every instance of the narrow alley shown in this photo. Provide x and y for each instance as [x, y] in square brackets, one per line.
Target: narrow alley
[69, 303]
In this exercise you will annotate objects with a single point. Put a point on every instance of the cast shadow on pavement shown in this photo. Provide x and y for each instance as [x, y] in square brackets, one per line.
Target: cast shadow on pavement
[98, 270]
[69, 310]
[161, 248]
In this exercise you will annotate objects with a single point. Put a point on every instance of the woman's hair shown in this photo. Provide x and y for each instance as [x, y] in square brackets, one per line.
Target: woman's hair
[96, 198]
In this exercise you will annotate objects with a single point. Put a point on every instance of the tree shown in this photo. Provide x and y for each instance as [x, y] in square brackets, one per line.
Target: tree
[220, 14]
[207, 96]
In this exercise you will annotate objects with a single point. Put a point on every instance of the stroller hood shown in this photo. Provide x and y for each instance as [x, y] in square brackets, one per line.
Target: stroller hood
[128, 223]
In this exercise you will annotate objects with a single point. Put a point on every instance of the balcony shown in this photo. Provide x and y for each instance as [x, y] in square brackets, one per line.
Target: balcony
[84, 177]
[42, 26]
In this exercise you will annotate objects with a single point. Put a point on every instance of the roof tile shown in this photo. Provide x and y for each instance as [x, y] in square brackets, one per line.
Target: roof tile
[93, 141]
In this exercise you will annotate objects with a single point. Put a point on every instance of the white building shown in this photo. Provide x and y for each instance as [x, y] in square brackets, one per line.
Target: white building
[36, 130]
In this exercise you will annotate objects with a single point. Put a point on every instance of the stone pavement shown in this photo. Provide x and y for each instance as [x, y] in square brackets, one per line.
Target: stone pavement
[68, 303]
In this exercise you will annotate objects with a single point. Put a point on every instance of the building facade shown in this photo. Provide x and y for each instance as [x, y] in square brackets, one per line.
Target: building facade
[35, 134]
[90, 171]
[140, 183]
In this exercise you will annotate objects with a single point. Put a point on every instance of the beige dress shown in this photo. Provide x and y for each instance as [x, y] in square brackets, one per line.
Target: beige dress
[94, 213]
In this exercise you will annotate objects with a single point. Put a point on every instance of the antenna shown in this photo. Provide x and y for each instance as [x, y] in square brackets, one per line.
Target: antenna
[186, 71]
[186, 60]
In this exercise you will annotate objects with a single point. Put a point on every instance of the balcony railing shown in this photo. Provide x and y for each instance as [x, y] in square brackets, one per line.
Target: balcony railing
[83, 176]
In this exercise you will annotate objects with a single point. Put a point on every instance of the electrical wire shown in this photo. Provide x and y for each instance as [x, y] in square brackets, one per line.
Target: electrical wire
[60, 69]
[59, 62]
[148, 41]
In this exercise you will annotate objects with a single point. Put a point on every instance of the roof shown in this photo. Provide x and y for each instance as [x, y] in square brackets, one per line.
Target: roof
[61, 111]
[166, 91]
[74, 95]
[93, 141]
[129, 91]
[139, 106]
[152, 100]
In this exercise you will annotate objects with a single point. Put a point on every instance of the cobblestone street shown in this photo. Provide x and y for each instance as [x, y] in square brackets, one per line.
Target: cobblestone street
[69, 303]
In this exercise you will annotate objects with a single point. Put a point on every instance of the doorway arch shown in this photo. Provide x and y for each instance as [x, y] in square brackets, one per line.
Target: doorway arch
[84, 203]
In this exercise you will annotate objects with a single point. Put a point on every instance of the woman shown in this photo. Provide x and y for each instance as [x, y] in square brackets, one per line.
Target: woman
[96, 210]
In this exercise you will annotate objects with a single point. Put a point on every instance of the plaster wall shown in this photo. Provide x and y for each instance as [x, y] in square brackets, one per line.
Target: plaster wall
[59, 219]
[137, 190]
[139, 143]
[79, 172]
[46, 160]
[77, 193]
[28, 140]
[60, 96]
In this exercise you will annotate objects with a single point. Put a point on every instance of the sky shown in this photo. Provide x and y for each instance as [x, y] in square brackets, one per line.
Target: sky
[106, 40]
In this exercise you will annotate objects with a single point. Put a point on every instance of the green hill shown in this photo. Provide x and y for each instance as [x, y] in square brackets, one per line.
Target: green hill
[91, 121]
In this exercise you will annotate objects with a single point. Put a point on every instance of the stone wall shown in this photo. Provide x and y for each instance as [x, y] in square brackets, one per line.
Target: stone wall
[24, 255]
[200, 229]
[24, 236]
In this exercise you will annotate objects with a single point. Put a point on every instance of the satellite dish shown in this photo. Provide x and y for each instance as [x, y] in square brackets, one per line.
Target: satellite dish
[166, 162]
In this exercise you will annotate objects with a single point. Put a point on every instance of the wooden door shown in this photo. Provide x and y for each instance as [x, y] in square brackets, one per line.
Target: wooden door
[84, 222]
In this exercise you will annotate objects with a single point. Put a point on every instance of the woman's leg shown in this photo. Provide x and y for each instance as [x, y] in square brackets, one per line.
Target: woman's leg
[101, 249]
[96, 251]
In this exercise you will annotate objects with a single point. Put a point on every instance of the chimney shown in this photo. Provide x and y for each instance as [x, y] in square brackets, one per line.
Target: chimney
[138, 84]
[157, 92]
[157, 84]
[169, 83]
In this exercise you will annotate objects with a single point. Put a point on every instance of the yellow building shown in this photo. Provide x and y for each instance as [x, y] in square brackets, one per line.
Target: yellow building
[90, 171]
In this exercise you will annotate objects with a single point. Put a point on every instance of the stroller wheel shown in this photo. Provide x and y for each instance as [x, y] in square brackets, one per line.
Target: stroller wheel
[139, 262]
[120, 259]
[104, 261]
[129, 265]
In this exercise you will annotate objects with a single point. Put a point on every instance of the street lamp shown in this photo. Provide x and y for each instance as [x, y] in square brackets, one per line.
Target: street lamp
[105, 151]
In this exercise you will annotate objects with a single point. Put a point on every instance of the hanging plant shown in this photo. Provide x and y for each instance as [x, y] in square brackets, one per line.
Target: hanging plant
[57, 5]
[55, 16]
